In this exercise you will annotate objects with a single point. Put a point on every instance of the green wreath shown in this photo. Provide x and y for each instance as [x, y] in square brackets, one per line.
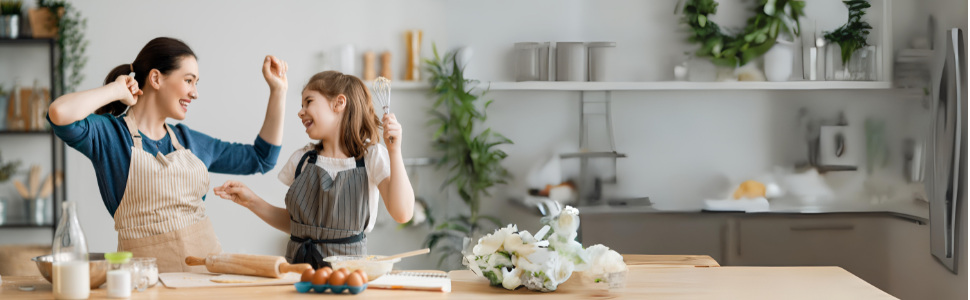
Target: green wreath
[735, 49]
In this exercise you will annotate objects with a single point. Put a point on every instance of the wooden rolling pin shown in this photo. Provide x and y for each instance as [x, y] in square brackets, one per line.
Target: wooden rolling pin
[247, 264]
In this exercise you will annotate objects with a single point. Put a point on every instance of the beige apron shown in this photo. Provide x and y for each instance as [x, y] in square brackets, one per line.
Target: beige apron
[161, 214]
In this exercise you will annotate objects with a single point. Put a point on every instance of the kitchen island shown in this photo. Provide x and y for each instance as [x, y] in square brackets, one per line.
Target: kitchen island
[650, 277]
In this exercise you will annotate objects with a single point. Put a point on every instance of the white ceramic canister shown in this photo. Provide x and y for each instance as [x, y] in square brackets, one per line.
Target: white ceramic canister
[779, 61]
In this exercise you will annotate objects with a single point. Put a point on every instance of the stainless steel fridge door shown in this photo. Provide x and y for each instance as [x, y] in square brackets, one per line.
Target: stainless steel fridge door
[946, 169]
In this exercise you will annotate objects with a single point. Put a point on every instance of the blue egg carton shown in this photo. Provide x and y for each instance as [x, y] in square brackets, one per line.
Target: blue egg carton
[306, 287]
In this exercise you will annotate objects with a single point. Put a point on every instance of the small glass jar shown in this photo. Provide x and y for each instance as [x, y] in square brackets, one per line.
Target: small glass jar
[119, 274]
[148, 267]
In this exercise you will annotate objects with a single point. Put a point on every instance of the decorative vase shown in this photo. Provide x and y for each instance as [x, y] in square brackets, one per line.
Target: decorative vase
[10, 26]
[779, 61]
[42, 22]
[4, 102]
[861, 65]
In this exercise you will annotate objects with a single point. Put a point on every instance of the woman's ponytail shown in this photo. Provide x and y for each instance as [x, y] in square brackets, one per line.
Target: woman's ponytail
[115, 108]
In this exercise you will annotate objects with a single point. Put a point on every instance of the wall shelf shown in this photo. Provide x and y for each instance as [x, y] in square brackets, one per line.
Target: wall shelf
[21, 132]
[402, 85]
[26, 41]
[684, 85]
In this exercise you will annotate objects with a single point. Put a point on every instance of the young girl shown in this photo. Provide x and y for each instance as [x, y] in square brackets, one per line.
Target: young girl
[334, 184]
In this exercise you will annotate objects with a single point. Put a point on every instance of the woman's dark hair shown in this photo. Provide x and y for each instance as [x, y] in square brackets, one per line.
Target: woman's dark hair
[163, 54]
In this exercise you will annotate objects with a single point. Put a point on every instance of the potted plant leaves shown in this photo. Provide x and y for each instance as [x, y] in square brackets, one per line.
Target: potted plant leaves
[849, 43]
[10, 18]
[470, 154]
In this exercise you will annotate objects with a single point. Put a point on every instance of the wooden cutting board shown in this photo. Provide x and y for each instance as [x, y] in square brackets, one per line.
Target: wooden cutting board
[203, 280]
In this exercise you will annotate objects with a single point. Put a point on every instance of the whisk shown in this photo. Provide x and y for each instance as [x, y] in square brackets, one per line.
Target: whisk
[382, 91]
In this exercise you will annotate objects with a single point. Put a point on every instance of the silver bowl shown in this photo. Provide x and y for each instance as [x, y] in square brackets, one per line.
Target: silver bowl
[98, 268]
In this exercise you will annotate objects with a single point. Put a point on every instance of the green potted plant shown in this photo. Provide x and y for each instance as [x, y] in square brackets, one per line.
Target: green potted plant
[733, 48]
[469, 153]
[70, 27]
[10, 22]
[851, 40]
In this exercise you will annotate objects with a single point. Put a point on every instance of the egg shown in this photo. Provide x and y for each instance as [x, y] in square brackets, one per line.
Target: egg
[338, 278]
[363, 275]
[344, 270]
[307, 275]
[320, 277]
[329, 270]
[354, 280]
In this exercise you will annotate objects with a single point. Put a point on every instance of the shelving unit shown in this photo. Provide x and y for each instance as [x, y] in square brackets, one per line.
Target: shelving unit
[685, 85]
[403, 85]
[660, 85]
[57, 147]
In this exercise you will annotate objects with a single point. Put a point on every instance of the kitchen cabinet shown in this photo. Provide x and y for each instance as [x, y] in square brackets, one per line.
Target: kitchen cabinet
[656, 233]
[878, 248]
[856, 243]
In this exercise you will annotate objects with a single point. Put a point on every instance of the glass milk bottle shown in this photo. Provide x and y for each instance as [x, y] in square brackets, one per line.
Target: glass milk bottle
[71, 278]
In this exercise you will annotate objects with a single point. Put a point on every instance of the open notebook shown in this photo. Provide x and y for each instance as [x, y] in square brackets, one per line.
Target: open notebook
[422, 281]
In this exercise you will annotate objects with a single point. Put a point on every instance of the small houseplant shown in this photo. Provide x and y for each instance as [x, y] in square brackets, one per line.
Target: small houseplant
[852, 36]
[733, 48]
[7, 169]
[10, 18]
[70, 27]
[469, 153]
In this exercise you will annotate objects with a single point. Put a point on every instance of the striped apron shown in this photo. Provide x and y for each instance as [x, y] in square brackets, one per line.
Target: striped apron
[161, 214]
[327, 215]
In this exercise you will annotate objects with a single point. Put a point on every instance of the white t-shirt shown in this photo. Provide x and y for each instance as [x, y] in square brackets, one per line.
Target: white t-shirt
[376, 161]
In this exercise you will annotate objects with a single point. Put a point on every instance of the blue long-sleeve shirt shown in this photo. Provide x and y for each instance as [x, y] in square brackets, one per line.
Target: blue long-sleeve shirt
[106, 141]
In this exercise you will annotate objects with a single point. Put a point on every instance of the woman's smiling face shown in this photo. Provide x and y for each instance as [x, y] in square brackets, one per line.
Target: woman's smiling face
[319, 115]
[177, 89]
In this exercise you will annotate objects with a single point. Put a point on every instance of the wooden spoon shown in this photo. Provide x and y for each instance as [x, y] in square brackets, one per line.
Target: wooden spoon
[405, 254]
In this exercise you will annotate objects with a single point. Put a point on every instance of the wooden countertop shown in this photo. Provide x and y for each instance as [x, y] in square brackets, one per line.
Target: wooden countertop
[650, 277]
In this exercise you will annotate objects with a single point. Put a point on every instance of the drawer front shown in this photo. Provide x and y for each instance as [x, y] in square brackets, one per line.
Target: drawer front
[856, 244]
[664, 234]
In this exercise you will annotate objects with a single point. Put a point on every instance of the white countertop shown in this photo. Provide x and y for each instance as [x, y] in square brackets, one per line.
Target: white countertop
[915, 209]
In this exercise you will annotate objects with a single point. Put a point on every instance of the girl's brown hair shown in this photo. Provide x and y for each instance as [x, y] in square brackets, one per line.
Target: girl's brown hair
[360, 123]
[163, 53]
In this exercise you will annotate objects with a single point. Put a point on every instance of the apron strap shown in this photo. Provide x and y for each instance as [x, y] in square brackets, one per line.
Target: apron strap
[135, 135]
[309, 155]
[175, 140]
[307, 253]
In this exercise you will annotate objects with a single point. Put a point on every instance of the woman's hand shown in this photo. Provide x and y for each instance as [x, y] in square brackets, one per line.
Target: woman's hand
[128, 88]
[274, 70]
[392, 132]
[237, 192]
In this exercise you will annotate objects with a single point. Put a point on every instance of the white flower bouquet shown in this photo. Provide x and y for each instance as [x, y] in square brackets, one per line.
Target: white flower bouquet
[512, 258]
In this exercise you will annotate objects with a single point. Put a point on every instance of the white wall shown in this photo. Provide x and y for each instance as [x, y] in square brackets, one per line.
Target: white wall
[680, 144]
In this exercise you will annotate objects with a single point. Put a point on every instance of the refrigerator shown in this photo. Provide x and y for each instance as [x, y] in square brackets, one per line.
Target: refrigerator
[946, 163]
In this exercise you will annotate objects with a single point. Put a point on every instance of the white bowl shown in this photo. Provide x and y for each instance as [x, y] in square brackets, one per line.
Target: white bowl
[368, 263]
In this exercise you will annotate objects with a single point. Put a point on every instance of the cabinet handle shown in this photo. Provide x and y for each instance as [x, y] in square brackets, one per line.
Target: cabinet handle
[822, 227]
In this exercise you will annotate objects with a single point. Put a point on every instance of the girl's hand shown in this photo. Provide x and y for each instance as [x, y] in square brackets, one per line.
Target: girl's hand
[237, 192]
[392, 132]
[129, 89]
[274, 70]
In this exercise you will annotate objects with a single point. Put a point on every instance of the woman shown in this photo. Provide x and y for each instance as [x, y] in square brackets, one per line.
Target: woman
[154, 176]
